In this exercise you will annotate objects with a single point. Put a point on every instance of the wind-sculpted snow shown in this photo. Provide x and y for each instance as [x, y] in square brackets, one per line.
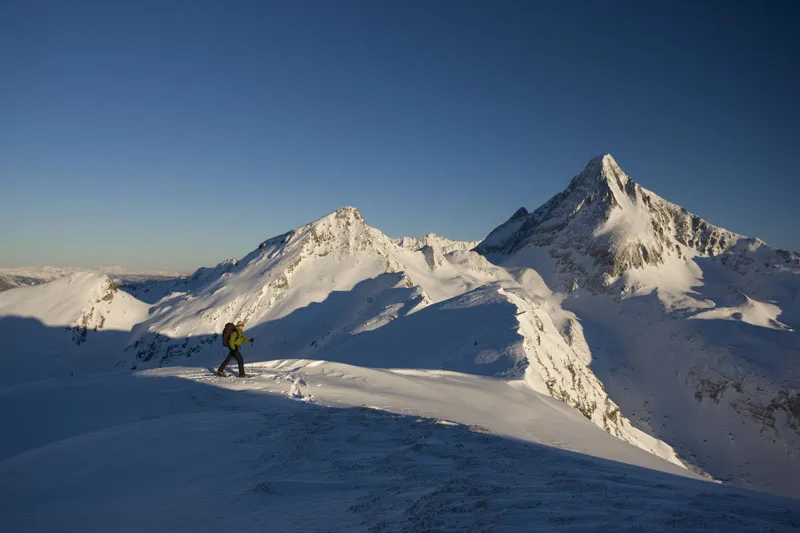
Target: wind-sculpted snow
[200, 453]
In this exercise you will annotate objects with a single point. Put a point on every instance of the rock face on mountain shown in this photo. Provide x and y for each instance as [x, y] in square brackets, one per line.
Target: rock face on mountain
[604, 224]
[692, 329]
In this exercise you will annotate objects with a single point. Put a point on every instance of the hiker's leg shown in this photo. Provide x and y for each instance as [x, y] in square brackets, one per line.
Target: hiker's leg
[226, 361]
[239, 359]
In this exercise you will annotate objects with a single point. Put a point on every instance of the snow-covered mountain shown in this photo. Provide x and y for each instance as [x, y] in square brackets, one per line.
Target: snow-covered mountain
[608, 322]
[337, 256]
[604, 231]
[75, 324]
[84, 300]
[692, 329]
[339, 290]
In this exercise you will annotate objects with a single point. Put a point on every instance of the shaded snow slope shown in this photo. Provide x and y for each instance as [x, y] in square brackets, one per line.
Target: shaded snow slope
[73, 325]
[202, 453]
[450, 396]
[723, 393]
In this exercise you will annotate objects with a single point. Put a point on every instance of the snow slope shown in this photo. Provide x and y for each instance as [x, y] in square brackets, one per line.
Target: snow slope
[692, 329]
[749, 311]
[54, 329]
[456, 397]
[83, 299]
[291, 449]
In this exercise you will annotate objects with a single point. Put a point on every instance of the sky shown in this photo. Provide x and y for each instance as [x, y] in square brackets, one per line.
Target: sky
[176, 134]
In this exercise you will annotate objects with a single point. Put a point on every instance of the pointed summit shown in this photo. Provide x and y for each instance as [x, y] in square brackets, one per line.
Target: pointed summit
[605, 218]
[341, 231]
[603, 174]
[345, 225]
[604, 163]
[348, 211]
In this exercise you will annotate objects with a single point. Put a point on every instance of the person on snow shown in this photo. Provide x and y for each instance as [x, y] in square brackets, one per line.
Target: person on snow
[235, 341]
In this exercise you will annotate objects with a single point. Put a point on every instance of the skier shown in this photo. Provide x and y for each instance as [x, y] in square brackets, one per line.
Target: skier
[236, 339]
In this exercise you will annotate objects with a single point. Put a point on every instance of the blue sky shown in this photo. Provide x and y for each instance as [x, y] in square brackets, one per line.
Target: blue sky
[177, 134]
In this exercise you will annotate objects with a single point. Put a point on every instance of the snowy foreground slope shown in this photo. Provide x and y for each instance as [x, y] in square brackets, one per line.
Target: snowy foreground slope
[692, 329]
[292, 449]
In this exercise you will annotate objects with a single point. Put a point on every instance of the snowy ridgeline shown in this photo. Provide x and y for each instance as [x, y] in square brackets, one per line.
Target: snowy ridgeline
[654, 337]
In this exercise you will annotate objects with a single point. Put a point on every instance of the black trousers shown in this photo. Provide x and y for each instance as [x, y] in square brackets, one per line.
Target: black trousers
[233, 354]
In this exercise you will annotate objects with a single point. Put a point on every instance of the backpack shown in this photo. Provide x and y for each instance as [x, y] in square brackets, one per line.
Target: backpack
[226, 333]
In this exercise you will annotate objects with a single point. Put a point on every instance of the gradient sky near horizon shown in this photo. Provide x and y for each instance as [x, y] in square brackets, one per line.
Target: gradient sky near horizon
[175, 134]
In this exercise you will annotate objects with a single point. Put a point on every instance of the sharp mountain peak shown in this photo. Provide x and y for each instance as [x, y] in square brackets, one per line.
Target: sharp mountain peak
[606, 216]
